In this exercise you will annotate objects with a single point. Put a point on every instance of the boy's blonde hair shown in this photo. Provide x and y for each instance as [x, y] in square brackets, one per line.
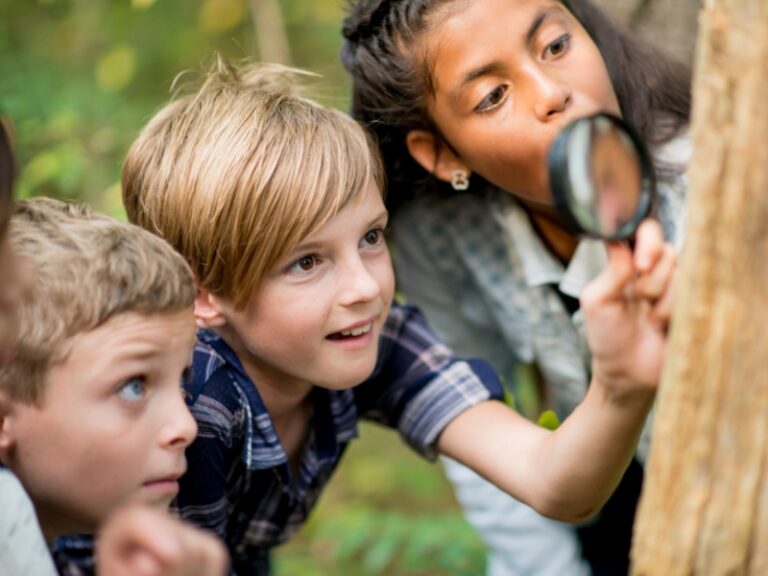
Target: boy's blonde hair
[235, 175]
[86, 268]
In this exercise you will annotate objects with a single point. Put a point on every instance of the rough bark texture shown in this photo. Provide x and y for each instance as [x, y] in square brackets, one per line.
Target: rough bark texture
[705, 505]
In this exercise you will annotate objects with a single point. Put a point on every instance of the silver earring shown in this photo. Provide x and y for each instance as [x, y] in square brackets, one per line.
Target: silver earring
[459, 180]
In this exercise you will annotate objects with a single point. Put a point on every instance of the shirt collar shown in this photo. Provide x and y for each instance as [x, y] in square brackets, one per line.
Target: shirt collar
[335, 412]
[540, 266]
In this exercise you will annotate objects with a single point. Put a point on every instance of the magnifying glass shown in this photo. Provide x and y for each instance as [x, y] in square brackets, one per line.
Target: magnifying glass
[601, 177]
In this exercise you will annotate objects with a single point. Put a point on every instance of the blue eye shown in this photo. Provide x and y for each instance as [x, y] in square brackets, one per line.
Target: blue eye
[133, 389]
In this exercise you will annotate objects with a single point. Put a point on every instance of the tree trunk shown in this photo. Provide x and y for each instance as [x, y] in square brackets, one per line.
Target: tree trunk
[271, 36]
[704, 509]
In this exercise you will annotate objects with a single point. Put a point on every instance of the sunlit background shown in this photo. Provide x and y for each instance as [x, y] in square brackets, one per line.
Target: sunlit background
[80, 77]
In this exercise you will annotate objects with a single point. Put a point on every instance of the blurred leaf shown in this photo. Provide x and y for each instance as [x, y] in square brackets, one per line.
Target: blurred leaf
[141, 4]
[116, 68]
[549, 420]
[221, 15]
[41, 168]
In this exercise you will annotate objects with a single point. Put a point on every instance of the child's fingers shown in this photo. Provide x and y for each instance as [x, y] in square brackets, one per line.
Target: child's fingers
[609, 285]
[205, 555]
[662, 308]
[652, 284]
[137, 540]
[649, 245]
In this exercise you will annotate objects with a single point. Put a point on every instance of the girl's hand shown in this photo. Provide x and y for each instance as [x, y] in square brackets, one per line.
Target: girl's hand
[627, 310]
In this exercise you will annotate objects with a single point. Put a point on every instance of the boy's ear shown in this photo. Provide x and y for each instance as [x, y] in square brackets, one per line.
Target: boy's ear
[6, 438]
[208, 313]
[433, 155]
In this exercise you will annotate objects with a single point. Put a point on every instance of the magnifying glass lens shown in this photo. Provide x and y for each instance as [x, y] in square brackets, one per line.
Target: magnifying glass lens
[602, 178]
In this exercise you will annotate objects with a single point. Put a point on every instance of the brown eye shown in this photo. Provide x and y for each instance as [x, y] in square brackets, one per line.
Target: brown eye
[558, 47]
[492, 99]
[373, 237]
[303, 264]
[306, 263]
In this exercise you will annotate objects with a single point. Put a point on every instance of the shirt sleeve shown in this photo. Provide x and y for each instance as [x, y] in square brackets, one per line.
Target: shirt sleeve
[419, 385]
[203, 490]
[22, 546]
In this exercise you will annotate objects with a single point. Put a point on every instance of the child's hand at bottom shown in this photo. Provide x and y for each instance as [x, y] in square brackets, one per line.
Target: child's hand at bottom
[627, 310]
[140, 541]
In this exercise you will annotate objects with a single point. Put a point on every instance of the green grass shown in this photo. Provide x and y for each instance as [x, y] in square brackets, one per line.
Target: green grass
[386, 511]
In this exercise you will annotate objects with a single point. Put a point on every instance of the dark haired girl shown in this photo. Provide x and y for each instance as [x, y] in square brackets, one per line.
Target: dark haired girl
[465, 98]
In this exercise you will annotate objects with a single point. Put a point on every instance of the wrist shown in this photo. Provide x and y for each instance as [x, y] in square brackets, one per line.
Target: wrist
[621, 393]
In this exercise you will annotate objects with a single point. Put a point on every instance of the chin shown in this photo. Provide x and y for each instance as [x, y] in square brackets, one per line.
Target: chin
[349, 379]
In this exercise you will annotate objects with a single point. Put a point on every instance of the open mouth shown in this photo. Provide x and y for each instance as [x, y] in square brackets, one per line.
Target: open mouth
[352, 334]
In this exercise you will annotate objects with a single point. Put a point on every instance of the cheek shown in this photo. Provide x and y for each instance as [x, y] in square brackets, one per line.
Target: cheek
[521, 166]
[599, 85]
[385, 276]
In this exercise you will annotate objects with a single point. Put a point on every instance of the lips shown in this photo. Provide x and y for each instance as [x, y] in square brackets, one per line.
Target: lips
[170, 478]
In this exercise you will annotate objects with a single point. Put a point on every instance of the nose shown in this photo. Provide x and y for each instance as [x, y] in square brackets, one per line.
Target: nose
[357, 283]
[180, 428]
[550, 95]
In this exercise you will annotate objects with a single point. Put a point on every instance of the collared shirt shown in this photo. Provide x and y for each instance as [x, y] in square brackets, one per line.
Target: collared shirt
[488, 284]
[73, 555]
[239, 482]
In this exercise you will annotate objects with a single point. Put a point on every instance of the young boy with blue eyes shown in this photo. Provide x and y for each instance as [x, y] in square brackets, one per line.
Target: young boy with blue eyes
[92, 415]
[22, 547]
[276, 203]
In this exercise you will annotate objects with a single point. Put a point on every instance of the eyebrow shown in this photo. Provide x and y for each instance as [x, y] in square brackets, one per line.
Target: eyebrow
[536, 24]
[313, 245]
[495, 67]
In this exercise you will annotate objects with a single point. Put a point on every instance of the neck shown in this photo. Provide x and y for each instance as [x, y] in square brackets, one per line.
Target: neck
[53, 524]
[557, 238]
[287, 399]
[281, 395]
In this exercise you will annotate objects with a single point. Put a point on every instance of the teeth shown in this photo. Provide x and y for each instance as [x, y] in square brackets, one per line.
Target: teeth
[358, 331]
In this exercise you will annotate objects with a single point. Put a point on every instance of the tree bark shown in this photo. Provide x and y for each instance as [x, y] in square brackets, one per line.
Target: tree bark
[704, 509]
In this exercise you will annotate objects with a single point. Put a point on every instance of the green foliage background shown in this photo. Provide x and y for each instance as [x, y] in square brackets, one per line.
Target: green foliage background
[78, 79]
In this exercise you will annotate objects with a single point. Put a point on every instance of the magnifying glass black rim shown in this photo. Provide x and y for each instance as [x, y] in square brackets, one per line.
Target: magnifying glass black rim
[560, 180]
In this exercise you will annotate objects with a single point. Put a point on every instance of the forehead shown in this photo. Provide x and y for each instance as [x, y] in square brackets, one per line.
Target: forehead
[364, 206]
[129, 337]
[475, 33]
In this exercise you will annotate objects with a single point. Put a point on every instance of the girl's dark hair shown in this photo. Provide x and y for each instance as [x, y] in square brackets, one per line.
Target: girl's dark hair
[7, 170]
[389, 86]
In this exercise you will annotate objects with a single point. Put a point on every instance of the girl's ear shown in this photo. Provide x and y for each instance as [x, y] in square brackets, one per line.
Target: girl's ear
[434, 156]
[208, 313]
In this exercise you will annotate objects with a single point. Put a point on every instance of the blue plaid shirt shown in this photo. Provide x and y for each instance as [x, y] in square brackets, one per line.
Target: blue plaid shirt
[239, 482]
